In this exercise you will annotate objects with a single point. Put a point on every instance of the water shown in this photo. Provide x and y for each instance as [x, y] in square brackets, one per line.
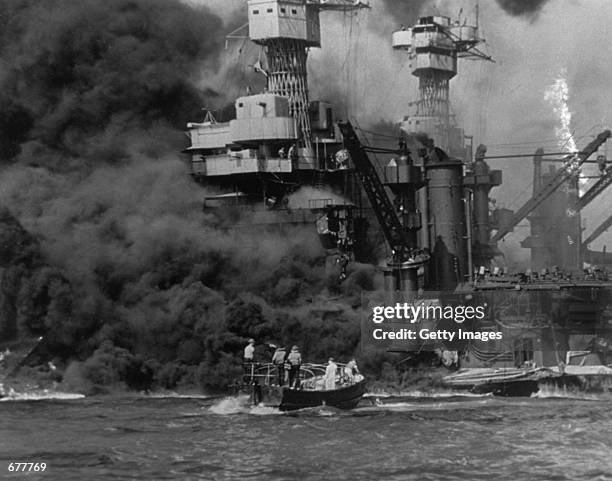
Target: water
[414, 438]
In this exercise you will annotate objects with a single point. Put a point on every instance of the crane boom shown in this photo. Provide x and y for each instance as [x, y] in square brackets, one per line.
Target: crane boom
[597, 188]
[570, 168]
[604, 226]
[383, 208]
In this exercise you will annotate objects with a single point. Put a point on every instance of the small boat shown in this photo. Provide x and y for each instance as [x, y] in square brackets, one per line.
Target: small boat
[262, 388]
[344, 397]
[527, 381]
[499, 381]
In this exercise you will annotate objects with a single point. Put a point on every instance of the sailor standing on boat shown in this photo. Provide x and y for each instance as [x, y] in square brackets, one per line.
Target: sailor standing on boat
[295, 361]
[248, 360]
[249, 351]
[278, 359]
[330, 375]
[351, 370]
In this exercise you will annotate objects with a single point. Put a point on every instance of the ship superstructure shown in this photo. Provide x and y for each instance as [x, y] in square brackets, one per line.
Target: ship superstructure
[431, 199]
[434, 44]
[433, 205]
[553, 315]
[281, 142]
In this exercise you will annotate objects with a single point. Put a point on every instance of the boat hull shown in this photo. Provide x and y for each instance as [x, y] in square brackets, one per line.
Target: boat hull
[347, 397]
[526, 382]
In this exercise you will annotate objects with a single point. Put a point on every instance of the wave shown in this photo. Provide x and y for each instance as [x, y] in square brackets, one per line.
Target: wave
[241, 405]
[548, 391]
[399, 405]
[39, 395]
[425, 394]
[175, 395]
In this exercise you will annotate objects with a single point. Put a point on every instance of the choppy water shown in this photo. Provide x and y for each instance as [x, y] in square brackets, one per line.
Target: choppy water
[414, 438]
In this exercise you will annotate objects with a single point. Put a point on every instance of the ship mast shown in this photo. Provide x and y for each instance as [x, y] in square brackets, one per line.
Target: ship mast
[434, 44]
[287, 29]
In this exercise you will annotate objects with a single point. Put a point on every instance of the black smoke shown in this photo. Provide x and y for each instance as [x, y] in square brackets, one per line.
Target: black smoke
[116, 264]
[529, 9]
[406, 12]
[81, 78]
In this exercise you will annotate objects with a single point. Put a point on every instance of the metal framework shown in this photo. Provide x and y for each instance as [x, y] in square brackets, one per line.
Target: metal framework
[569, 170]
[287, 54]
[604, 226]
[433, 100]
[287, 76]
[597, 188]
[375, 190]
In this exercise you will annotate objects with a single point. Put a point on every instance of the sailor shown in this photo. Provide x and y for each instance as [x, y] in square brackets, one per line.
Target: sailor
[278, 359]
[330, 375]
[249, 351]
[293, 153]
[248, 361]
[351, 370]
[295, 361]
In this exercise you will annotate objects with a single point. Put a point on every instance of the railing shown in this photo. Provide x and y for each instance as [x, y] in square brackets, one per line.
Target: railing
[266, 374]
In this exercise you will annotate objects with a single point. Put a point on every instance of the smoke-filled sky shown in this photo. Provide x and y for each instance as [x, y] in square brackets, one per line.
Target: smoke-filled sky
[503, 103]
[95, 94]
[95, 97]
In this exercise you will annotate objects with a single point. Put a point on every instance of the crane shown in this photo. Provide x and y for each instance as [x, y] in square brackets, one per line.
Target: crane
[393, 230]
[597, 188]
[584, 200]
[570, 168]
[604, 226]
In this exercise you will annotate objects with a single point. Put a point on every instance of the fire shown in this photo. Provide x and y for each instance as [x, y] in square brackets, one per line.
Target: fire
[557, 94]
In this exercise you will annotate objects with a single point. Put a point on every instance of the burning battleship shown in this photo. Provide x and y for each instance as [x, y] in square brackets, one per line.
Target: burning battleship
[431, 201]
[282, 142]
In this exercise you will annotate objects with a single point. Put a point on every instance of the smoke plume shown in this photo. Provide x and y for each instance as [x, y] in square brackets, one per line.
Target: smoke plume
[117, 265]
[81, 80]
[406, 12]
[129, 275]
[522, 8]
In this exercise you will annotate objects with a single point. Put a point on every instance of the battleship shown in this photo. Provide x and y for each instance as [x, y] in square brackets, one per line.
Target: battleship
[430, 202]
[281, 160]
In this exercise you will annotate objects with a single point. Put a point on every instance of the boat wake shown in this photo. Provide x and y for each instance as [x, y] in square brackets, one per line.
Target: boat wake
[406, 405]
[39, 395]
[174, 395]
[319, 411]
[425, 395]
[241, 405]
[547, 391]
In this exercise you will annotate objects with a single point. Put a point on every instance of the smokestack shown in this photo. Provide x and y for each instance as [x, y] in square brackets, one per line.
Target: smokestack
[448, 265]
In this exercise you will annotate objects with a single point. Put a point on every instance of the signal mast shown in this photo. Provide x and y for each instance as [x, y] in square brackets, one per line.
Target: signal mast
[434, 44]
[287, 29]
